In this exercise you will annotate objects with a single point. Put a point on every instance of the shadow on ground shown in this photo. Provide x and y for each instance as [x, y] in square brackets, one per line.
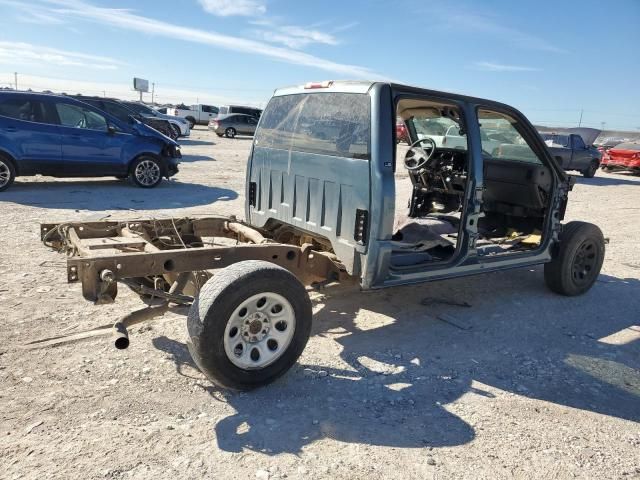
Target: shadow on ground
[114, 194]
[197, 158]
[195, 142]
[401, 367]
[620, 178]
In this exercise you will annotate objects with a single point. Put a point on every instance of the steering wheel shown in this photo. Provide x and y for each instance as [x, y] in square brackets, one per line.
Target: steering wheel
[417, 157]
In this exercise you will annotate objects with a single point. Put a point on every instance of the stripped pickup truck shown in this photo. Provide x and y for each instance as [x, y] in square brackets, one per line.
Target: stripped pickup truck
[320, 210]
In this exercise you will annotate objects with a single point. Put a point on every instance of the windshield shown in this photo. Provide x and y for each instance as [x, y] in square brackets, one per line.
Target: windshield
[324, 123]
[140, 108]
[556, 139]
[445, 131]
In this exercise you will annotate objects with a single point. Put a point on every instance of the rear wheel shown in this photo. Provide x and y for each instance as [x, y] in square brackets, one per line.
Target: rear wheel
[249, 324]
[230, 132]
[579, 259]
[7, 173]
[176, 131]
[146, 172]
[590, 171]
[192, 122]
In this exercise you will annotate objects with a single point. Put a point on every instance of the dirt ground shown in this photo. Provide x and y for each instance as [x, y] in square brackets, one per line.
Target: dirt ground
[525, 384]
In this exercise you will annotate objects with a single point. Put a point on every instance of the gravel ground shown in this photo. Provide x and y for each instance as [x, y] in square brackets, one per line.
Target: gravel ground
[523, 384]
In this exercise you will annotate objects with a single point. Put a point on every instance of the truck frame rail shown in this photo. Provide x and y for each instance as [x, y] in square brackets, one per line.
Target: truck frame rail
[168, 260]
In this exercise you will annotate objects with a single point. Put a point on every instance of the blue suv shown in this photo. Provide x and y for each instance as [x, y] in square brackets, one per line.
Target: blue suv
[62, 137]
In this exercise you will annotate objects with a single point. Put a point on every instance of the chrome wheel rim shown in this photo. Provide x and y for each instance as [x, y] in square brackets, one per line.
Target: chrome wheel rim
[148, 172]
[259, 331]
[5, 174]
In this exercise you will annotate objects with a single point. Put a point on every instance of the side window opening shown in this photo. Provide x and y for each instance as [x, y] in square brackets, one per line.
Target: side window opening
[517, 187]
[25, 109]
[79, 117]
[578, 143]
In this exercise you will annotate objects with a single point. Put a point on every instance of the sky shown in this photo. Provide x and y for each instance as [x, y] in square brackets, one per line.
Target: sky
[556, 61]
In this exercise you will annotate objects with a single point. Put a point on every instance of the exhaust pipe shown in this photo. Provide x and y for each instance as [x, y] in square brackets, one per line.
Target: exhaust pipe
[120, 328]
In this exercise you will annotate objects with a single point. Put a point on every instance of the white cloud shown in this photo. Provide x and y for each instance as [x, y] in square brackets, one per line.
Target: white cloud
[25, 53]
[499, 67]
[227, 8]
[123, 18]
[296, 37]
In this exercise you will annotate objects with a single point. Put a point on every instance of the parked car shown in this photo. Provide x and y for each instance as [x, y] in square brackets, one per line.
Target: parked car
[401, 131]
[233, 124]
[63, 137]
[123, 113]
[195, 114]
[253, 111]
[610, 142]
[574, 149]
[625, 156]
[180, 125]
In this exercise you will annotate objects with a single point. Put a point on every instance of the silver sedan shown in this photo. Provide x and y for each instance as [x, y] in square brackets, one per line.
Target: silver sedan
[233, 124]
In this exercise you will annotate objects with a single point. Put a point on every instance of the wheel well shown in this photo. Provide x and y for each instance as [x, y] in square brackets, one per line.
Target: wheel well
[10, 159]
[190, 118]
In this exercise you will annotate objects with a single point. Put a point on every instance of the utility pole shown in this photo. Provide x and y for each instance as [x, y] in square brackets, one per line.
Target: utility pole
[580, 121]
[153, 91]
[15, 76]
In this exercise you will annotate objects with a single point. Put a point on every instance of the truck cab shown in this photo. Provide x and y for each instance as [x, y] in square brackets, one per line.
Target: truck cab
[325, 170]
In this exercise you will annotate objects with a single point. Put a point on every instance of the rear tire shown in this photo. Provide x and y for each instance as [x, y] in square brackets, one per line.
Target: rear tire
[579, 259]
[146, 172]
[226, 337]
[192, 122]
[591, 170]
[7, 173]
[230, 132]
[175, 131]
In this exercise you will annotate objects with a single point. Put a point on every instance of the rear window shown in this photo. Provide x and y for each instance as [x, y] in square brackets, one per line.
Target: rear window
[23, 108]
[334, 124]
[628, 146]
[552, 139]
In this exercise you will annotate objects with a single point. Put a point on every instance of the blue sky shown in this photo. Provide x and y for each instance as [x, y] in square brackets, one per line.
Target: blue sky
[550, 59]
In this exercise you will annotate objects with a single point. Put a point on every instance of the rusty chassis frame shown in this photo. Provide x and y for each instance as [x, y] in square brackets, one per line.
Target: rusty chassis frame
[166, 260]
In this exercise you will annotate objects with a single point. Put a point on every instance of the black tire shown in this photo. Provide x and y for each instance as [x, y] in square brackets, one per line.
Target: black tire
[146, 172]
[578, 260]
[7, 173]
[192, 122]
[230, 132]
[591, 170]
[176, 131]
[215, 306]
